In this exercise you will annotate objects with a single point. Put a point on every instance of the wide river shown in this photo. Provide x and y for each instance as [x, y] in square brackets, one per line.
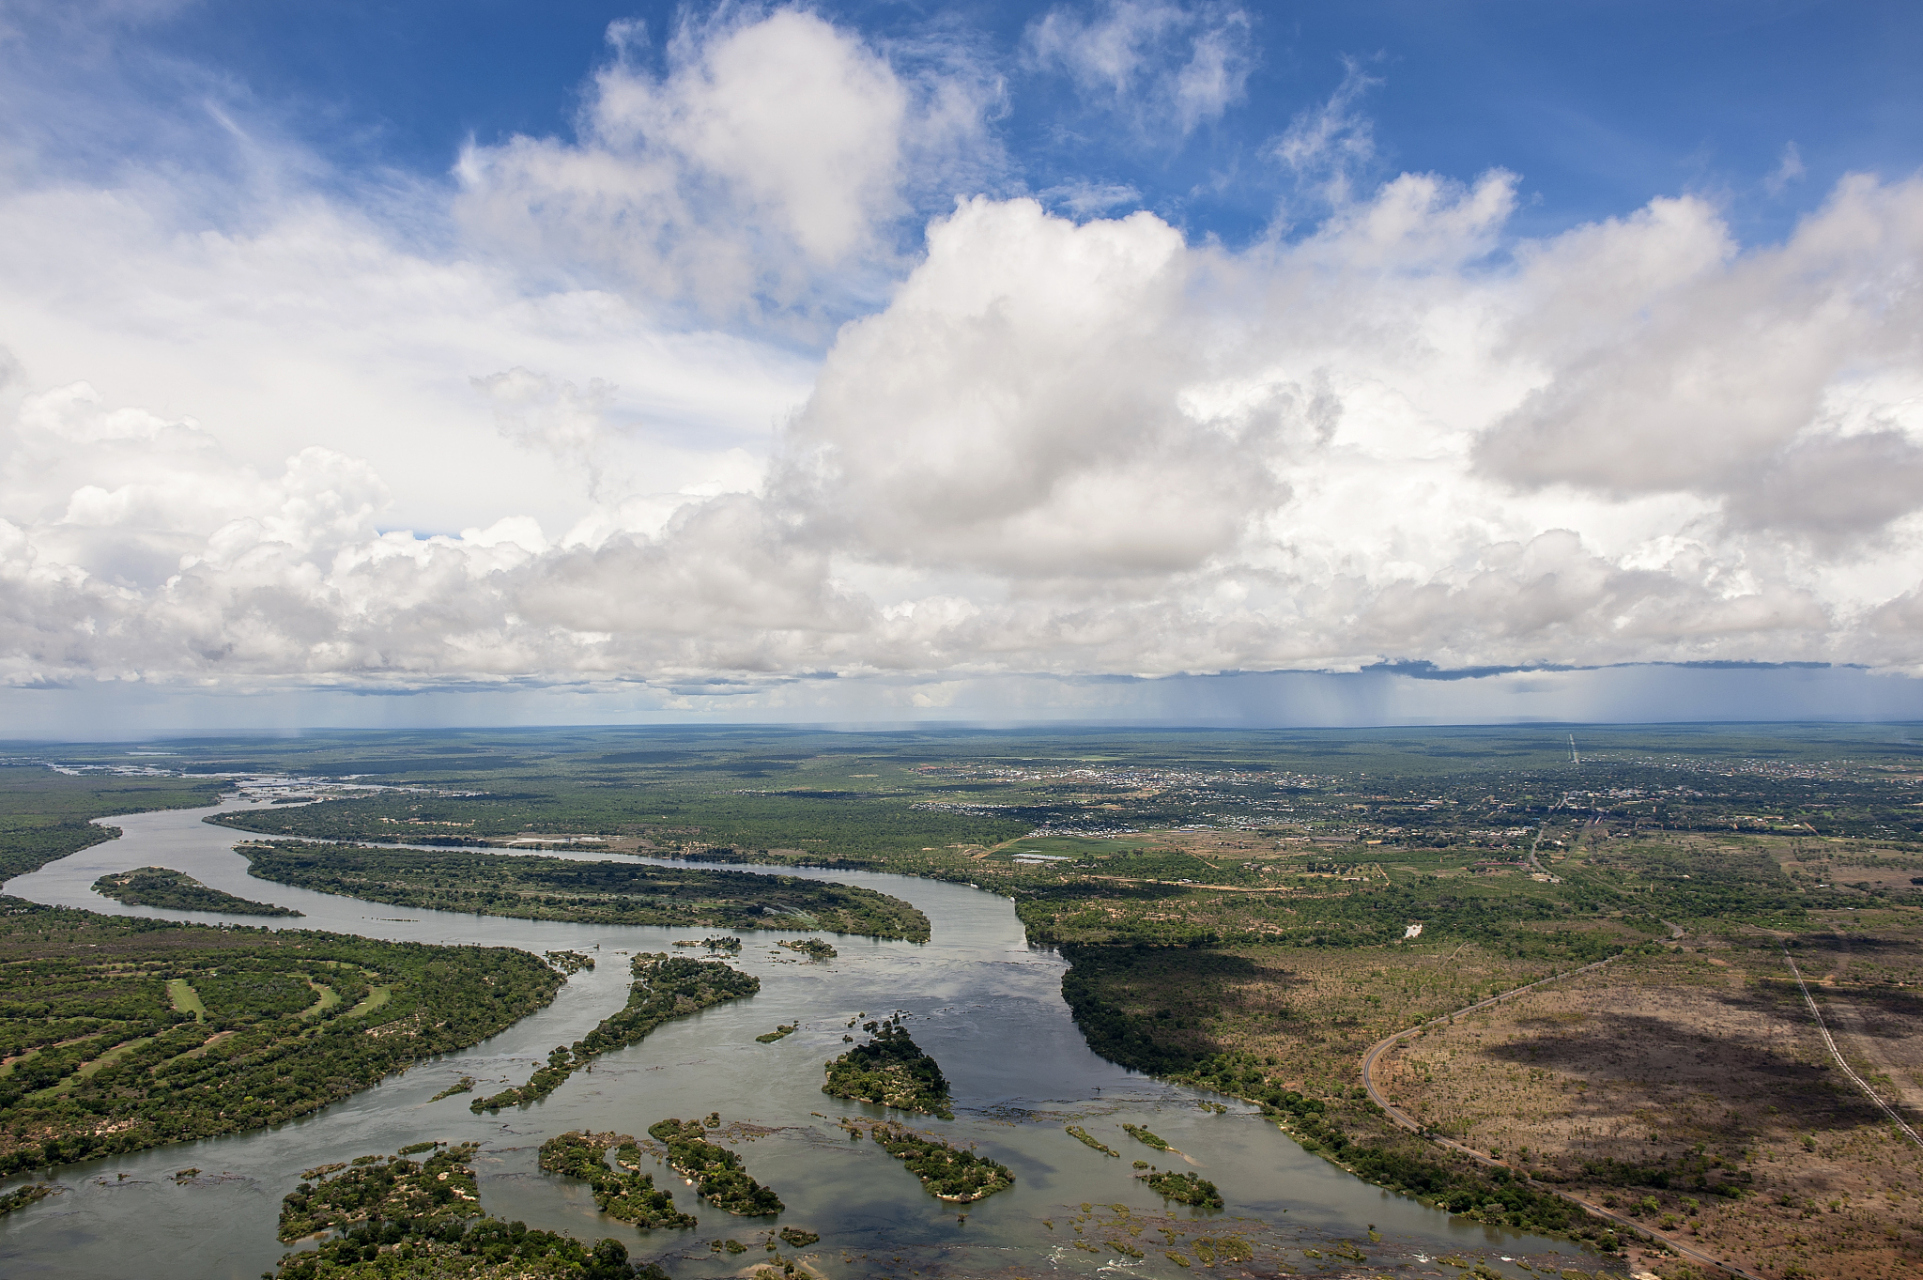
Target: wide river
[982, 1001]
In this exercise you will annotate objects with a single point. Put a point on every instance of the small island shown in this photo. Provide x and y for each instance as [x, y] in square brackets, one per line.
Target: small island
[947, 1172]
[728, 946]
[664, 987]
[177, 891]
[1187, 1188]
[427, 1213]
[625, 1193]
[781, 1030]
[1146, 1138]
[716, 1172]
[21, 1197]
[813, 948]
[394, 1189]
[1088, 1139]
[890, 1071]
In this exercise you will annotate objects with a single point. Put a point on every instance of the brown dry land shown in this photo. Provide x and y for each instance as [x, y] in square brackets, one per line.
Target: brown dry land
[1685, 1085]
[1704, 1062]
[1309, 1015]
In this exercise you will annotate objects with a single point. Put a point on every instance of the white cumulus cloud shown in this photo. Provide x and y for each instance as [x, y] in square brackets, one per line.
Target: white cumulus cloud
[761, 172]
[295, 446]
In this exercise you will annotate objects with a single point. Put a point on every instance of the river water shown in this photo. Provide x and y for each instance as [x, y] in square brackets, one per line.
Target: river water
[982, 1001]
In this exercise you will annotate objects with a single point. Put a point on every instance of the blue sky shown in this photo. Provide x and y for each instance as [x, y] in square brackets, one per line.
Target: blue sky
[1598, 106]
[897, 360]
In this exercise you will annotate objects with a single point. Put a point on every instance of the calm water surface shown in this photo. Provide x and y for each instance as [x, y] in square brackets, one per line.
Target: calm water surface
[983, 1002]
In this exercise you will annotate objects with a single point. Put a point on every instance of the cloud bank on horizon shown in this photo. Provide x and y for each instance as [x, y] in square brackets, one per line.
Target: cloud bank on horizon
[791, 358]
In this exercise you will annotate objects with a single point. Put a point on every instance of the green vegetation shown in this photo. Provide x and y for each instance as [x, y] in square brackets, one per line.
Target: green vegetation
[947, 1172]
[182, 997]
[727, 946]
[178, 891]
[718, 1175]
[625, 1193]
[890, 1071]
[570, 962]
[1143, 1136]
[1088, 1139]
[664, 987]
[46, 815]
[21, 1197]
[397, 1217]
[1186, 1188]
[372, 1188]
[738, 795]
[1341, 1125]
[813, 948]
[464, 1085]
[542, 888]
[778, 1033]
[1248, 912]
[1227, 1248]
[110, 1058]
[796, 1238]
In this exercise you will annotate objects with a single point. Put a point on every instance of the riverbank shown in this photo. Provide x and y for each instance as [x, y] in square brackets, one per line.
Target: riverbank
[123, 1034]
[973, 989]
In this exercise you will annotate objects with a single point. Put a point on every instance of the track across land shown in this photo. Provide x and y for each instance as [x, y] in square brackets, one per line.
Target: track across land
[1409, 1122]
[1823, 1030]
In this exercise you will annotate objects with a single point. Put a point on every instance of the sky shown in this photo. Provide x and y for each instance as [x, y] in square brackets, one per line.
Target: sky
[1393, 362]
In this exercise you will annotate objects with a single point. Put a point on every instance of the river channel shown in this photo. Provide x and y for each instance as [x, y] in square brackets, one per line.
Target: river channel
[977, 997]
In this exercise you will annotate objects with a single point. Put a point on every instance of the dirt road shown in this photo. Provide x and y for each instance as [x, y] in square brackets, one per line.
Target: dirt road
[1409, 1122]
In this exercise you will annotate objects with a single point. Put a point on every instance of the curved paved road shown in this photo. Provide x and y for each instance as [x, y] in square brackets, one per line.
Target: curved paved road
[1410, 1123]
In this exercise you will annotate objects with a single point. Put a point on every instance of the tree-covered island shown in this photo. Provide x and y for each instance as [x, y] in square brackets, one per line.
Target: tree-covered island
[177, 891]
[947, 1172]
[664, 987]
[624, 1193]
[1088, 1139]
[717, 1172]
[390, 1217]
[890, 1070]
[1183, 1188]
[543, 888]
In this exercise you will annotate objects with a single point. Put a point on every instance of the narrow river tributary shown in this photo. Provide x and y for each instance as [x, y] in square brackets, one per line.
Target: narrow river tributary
[982, 1001]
